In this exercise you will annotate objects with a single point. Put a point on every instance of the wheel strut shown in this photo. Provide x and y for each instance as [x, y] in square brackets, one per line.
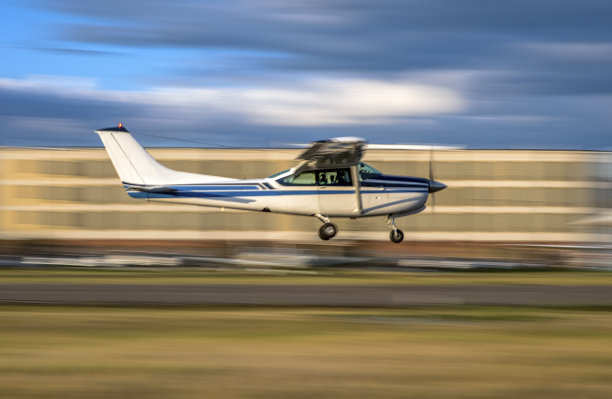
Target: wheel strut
[396, 234]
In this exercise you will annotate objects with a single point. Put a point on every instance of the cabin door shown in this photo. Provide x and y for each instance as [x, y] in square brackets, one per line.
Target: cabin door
[336, 192]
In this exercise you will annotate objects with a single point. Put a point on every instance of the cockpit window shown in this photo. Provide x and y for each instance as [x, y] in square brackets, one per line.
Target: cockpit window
[303, 179]
[334, 177]
[326, 177]
[366, 171]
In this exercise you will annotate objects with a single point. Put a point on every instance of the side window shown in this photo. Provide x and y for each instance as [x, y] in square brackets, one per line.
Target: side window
[303, 179]
[335, 177]
[332, 177]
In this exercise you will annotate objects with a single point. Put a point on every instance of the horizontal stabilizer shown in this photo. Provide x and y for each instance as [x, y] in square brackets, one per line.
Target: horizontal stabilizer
[150, 189]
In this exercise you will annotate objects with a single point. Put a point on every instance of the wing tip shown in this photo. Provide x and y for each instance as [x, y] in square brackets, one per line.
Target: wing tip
[347, 140]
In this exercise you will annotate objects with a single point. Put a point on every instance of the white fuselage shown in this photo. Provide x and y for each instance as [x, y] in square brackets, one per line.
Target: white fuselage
[268, 195]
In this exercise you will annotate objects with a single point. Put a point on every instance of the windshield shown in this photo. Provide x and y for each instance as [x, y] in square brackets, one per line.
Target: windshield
[366, 171]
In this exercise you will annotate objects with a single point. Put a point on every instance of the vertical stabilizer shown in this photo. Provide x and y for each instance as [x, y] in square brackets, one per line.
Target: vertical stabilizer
[135, 165]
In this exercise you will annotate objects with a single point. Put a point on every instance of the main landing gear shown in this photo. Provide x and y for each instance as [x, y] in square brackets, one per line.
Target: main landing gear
[328, 230]
[396, 234]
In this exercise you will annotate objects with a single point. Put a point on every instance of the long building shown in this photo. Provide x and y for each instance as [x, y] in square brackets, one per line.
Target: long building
[492, 195]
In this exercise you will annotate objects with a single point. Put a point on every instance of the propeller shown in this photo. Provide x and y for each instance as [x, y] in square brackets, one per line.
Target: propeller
[434, 186]
[431, 178]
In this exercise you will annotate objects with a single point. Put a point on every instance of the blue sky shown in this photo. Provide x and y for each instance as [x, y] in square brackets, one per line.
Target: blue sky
[479, 73]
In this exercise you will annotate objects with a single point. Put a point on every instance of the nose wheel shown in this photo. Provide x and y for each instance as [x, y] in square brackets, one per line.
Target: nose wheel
[396, 234]
[328, 230]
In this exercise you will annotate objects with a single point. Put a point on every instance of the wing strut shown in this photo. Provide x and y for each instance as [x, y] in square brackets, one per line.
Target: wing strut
[355, 176]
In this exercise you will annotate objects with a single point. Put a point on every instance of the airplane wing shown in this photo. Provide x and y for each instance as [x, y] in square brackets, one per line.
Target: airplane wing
[340, 152]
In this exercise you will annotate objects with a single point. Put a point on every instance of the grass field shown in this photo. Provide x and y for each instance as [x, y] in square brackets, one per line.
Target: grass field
[250, 352]
[309, 276]
[456, 352]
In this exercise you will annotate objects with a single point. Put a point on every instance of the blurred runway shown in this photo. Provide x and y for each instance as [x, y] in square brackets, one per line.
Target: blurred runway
[305, 295]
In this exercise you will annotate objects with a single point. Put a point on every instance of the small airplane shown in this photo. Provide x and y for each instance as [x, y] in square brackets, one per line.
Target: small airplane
[330, 181]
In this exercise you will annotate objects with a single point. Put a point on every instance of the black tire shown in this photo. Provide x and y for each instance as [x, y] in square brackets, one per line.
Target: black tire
[327, 231]
[396, 236]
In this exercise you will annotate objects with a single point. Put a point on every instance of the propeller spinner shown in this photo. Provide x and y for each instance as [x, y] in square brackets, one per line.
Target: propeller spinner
[434, 186]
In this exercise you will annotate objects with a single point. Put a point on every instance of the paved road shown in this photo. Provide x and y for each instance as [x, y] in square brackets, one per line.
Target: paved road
[306, 295]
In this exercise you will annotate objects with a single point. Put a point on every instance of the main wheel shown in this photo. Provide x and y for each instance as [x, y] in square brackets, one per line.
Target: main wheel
[327, 231]
[396, 235]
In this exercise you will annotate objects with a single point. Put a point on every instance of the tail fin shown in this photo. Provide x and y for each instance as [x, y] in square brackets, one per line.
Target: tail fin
[135, 165]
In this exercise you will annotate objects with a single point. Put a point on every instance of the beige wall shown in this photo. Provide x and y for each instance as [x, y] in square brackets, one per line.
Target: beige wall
[492, 195]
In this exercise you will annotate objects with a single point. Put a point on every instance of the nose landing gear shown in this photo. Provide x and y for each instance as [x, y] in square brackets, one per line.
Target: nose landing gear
[328, 230]
[396, 234]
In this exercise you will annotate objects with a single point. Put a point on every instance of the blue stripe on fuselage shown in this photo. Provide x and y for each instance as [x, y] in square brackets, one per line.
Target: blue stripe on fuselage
[224, 187]
[267, 193]
[391, 184]
[388, 181]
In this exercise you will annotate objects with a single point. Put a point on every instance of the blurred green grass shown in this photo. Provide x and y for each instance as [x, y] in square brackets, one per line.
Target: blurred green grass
[199, 352]
[309, 276]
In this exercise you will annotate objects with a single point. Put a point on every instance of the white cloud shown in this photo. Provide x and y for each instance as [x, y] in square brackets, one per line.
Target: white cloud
[49, 83]
[320, 102]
